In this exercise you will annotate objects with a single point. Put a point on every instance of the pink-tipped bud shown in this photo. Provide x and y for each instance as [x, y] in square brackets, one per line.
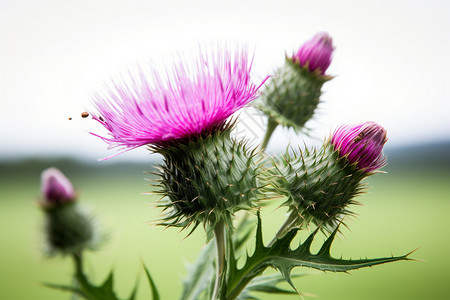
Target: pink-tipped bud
[361, 144]
[315, 54]
[55, 187]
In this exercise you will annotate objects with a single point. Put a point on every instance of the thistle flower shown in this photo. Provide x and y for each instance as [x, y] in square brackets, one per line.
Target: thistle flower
[206, 175]
[361, 144]
[315, 54]
[192, 102]
[320, 185]
[291, 98]
[56, 188]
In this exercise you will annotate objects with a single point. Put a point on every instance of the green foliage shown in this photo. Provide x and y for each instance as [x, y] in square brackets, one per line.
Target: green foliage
[90, 291]
[281, 257]
[208, 180]
[318, 184]
[155, 293]
[103, 291]
[264, 284]
[198, 284]
[291, 98]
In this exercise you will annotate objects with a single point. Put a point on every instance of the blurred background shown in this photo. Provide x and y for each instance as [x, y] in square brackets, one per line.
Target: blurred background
[390, 66]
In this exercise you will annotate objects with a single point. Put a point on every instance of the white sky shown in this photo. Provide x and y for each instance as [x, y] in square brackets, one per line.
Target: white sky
[391, 62]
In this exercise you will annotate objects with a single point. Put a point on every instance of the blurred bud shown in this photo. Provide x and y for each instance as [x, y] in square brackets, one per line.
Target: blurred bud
[56, 188]
[316, 53]
[68, 229]
[361, 144]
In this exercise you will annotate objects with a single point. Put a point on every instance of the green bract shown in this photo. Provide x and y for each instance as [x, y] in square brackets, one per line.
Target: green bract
[291, 98]
[319, 184]
[69, 229]
[207, 180]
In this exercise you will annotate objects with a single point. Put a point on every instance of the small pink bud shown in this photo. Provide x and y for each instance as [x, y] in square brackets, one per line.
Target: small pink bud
[362, 145]
[55, 187]
[315, 54]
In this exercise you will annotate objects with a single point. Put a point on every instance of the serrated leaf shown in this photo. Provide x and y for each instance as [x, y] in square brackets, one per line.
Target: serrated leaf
[281, 257]
[155, 294]
[133, 292]
[199, 274]
[244, 231]
[88, 290]
[265, 284]
[61, 287]
[92, 292]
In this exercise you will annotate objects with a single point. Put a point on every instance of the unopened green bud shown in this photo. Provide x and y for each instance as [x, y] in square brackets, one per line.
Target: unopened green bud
[320, 185]
[291, 98]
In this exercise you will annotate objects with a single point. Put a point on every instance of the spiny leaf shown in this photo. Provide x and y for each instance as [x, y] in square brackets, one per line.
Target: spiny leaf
[87, 290]
[134, 292]
[155, 294]
[65, 288]
[265, 284]
[281, 257]
[103, 292]
[200, 274]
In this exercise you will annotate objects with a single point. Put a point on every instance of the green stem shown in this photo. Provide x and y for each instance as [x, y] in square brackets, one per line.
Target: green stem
[271, 125]
[78, 261]
[219, 236]
[288, 224]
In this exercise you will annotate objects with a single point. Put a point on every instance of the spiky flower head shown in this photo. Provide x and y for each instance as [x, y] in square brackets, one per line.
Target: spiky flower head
[316, 53]
[56, 188]
[321, 184]
[208, 180]
[292, 97]
[206, 175]
[191, 102]
[361, 144]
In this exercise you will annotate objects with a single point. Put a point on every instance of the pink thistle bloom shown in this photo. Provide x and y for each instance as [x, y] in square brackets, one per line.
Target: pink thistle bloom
[55, 187]
[361, 144]
[315, 54]
[192, 101]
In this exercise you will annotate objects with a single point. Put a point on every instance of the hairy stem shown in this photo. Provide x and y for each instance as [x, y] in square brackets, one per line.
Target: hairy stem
[219, 236]
[271, 125]
[288, 224]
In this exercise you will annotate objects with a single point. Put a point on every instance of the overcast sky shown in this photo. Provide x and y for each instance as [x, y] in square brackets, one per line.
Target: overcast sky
[391, 63]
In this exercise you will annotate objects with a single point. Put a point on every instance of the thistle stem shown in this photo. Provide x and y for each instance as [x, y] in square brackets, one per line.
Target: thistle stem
[219, 236]
[78, 260]
[271, 125]
[288, 224]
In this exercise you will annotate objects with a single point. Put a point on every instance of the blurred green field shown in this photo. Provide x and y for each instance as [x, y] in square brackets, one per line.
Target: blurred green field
[402, 211]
